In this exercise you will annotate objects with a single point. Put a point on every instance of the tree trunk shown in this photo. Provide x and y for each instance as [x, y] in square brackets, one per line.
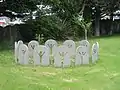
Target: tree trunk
[97, 22]
[111, 29]
[85, 34]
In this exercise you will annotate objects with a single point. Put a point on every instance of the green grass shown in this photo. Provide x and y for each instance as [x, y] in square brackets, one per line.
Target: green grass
[104, 75]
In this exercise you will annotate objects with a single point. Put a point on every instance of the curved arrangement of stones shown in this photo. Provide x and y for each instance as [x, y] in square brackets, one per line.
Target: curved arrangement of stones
[40, 54]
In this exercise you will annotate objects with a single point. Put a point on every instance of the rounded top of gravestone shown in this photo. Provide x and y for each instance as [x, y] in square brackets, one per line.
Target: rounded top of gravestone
[95, 45]
[50, 43]
[20, 42]
[69, 43]
[84, 43]
[23, 48]
[95, 48]
[32, 44]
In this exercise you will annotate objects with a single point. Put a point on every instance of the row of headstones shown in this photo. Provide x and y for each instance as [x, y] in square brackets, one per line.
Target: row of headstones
[42, 54]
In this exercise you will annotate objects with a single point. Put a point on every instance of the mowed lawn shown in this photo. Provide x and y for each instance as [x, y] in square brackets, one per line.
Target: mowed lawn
[104, 75]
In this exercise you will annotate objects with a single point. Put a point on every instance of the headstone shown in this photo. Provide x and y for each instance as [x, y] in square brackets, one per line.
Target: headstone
[82, 56]
[51, 45]
[15, 51]
[62, 56]
[23, 54]
[17, 46]
[71, 46]
[41, 53]
[95, 51]
[31, 46]
[86, 44]
[97, 46]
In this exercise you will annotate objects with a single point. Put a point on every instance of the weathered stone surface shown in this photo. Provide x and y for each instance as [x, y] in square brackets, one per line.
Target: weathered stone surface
[71, 46]
[23, 54]
[31, 46]
[15, 51]
[82, 57]
[17, 46]
[86, 44]
[62, 56]
[95, 51]
[41, 53]
[51, 45]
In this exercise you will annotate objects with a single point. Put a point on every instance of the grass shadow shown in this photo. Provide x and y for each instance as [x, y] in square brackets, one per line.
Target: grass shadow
[6, 45]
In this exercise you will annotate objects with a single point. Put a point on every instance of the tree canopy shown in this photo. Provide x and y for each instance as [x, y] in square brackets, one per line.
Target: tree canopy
[65, 17]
